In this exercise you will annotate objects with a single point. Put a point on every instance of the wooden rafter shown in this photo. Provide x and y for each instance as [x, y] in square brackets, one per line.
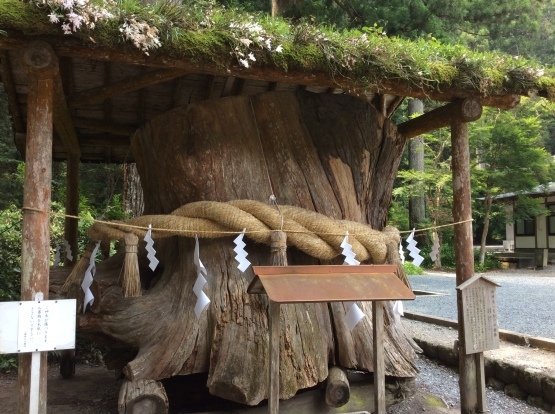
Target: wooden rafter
[124, 86]
[392, 107]
[62, 119]
[228, 85]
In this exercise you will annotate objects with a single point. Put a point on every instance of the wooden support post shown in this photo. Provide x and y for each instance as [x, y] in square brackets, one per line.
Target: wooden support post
[35, 251]
[379, 364]
[72, 206]
[278, 251]
[273, 372]
[464, 255]
[481, 384]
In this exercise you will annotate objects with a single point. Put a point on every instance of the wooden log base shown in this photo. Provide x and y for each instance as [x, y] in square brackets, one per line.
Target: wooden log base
[142, 397]
[337, 387]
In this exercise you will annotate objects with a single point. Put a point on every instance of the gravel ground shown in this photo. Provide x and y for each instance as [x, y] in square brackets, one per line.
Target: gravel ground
[444, 382]
[525, 305]
[525, 298]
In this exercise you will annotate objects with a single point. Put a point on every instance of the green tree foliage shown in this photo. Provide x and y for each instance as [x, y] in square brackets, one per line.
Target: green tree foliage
[434, 181]
[509, 156]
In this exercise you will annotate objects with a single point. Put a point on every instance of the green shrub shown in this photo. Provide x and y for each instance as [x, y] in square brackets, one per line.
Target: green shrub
[411, 269]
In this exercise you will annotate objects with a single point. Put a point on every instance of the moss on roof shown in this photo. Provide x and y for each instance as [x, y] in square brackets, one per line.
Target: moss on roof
[227, 37]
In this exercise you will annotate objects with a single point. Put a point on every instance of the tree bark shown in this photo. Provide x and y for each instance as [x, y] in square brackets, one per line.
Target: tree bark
[417, 202]
[488, 200]
[327, 153]
[133, 203]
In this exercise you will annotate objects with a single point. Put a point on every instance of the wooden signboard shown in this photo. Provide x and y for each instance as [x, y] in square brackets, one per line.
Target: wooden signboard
[331, 283]
[480, 314]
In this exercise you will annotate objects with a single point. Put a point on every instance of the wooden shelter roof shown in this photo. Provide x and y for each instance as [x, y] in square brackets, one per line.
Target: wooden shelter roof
[107, 88]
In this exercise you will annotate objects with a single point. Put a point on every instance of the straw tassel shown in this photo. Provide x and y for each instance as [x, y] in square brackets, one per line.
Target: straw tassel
[78, 271]
[131, 283]
[392, 256]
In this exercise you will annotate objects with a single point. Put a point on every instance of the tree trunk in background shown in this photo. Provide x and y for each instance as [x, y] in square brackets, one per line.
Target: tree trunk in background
[133, 201]
[417, 202]
[328, 153]
[488, 201]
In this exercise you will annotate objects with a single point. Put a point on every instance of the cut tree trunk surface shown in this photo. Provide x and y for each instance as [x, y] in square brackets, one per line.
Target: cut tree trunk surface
[328, 153]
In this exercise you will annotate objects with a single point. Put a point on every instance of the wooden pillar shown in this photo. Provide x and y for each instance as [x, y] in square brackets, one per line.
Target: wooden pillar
[278, 252]
[379, 363]
[71, 231]
[464, 254]
[35, 253]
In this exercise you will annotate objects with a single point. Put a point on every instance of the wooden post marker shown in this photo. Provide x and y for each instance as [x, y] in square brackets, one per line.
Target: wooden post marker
[334, 283]
[41, 64]
[481, 326]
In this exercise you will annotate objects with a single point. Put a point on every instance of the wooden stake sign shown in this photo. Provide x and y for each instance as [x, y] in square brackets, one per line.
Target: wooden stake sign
[480, 314]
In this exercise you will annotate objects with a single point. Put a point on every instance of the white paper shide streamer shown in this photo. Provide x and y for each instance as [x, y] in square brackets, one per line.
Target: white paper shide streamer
[150, 249]
[239, 249]
[88, 279]
[354, 315]
[67, 249]
[57, 255]
[414, 251]
[202, 299]
[348, 251]
[401, 252]
[435, 248]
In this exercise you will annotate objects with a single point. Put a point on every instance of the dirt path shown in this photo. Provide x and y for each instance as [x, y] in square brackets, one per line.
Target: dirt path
[93, 390]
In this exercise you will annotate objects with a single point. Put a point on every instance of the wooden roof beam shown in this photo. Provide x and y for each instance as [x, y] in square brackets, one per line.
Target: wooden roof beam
[124, 86]
[465, 110]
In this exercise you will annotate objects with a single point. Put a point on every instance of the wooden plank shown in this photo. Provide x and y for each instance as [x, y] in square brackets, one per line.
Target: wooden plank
[35, 250]
[124, 86]
[379, 361]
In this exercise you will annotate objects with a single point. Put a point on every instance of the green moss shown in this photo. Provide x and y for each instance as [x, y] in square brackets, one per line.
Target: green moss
[365, 57]
[27, 18]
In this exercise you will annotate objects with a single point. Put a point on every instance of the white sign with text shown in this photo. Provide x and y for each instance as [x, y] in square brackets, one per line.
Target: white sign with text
[36, 326]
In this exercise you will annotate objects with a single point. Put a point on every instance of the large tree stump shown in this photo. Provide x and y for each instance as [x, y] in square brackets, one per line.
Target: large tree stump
[327, 153]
